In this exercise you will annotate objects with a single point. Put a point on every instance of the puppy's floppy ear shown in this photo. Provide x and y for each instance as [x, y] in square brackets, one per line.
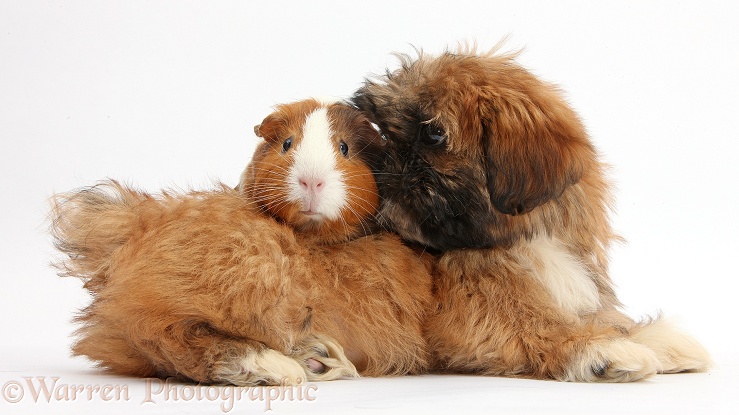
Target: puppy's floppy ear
[535, 147]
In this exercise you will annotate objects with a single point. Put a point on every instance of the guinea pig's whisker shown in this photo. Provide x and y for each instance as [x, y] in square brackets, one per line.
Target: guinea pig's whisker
[361, 219]
[383, 223]
[354, 196]
[362, 175]
[360, 151]
[269, 194]
[363, 223]
[272, 171]
[363, 215]
[277, 204]
[268, 173]
[267, 163]
[268, 186]
[266, 198]
[361, 212]
[424, 219]
[347, 231]
[380, 173]
[359, 175]
[274, 179]
[276, 184]
[264, 194]
[270, 167]
[363, 189]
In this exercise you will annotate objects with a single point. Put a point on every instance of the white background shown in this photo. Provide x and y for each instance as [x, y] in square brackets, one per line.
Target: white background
[165, 94]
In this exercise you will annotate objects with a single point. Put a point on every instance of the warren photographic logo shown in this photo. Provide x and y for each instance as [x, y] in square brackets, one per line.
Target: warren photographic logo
[50, 389]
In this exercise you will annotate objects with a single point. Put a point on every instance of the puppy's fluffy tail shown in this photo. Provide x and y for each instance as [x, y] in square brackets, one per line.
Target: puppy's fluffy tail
[677, 352]
[90, 224]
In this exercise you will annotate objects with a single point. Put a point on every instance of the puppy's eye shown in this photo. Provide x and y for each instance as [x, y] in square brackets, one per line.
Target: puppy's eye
[433, 135]
[286, 144]
[343, 148]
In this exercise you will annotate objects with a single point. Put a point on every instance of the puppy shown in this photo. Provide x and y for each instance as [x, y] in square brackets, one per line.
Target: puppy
[489, 165]
[280, 281]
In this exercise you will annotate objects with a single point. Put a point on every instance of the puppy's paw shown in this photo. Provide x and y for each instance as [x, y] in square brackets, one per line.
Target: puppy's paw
[262, 367]
[324, 359]
[315, 366]
[676, 351]
[618, 360]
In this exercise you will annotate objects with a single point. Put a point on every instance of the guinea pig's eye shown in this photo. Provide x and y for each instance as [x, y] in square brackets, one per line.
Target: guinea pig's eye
[343, 148]
[432, 135]
[286, 144]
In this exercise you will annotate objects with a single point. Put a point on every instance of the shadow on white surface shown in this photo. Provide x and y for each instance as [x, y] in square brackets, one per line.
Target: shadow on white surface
[73, 387]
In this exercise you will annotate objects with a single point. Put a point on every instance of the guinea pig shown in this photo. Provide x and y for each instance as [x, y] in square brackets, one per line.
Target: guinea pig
[279, 281]
[314, 169]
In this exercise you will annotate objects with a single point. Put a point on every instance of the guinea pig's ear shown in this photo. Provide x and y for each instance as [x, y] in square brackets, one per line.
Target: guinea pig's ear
[269, 128]
[535, 147]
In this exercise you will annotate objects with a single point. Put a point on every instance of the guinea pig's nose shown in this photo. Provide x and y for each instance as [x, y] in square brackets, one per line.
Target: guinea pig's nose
[311, 183]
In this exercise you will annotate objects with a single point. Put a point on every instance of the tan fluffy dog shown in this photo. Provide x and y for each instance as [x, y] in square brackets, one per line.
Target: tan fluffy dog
[220, 287]
[489, 165]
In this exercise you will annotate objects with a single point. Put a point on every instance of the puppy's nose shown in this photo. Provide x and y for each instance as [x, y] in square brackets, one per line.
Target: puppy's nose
[312, 184]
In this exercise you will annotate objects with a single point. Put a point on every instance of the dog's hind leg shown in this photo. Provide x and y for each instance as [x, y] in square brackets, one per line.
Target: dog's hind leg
[492, 316]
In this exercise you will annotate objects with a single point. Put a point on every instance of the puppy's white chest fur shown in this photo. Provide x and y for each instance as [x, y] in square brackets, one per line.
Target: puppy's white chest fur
[565, 277]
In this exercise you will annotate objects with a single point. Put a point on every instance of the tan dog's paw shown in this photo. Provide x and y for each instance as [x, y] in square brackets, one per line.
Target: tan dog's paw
[263, 367]
[324, 359]
[677, 352]
[618, 360]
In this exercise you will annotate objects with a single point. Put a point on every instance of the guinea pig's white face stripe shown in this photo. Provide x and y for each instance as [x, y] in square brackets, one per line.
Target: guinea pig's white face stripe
[315, 163]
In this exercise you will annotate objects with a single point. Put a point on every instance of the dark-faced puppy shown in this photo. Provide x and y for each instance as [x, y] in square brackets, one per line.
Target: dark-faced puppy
[490, 165]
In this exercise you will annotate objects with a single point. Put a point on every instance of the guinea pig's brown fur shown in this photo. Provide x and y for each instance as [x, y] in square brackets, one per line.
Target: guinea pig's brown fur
[223, 286]
[266, 179]
[490, 165]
